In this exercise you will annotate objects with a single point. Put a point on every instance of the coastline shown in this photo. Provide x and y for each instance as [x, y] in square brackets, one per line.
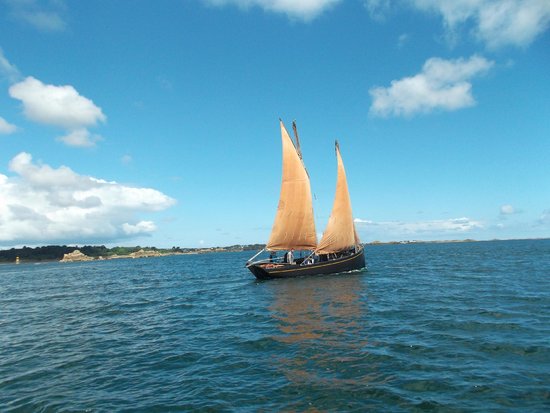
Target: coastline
[57, 253]
[75, 255]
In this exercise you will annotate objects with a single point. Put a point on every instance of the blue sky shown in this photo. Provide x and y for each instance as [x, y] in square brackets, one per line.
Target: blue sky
[156, 123]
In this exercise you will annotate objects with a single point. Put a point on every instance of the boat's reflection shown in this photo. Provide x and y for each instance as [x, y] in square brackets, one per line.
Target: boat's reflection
[323, 322]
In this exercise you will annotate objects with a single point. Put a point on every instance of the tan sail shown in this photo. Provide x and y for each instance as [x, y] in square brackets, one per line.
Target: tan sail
[294, 226]
[340, 233]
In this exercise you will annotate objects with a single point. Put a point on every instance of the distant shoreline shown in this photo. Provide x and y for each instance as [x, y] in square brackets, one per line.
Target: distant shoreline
[92, 253]
[451, 241]
[63, 253]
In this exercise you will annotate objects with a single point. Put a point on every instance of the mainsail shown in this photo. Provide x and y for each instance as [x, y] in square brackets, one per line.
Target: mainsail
[340, 233]
[294, 226]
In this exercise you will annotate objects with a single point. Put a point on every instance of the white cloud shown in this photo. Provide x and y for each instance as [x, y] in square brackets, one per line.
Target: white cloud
[513, 22]
[496, 23]
[45, 16]
[141, 227]
[44, 204]
[7, 69]
[60, 106]
[5, 127]
[507, 210]
[435, 228]
[378, 8]
[56, 105]
[80, 137]
[302, 9]
[442, 84]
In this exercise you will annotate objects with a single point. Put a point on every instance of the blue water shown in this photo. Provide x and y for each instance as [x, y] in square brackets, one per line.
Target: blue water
[440, 327]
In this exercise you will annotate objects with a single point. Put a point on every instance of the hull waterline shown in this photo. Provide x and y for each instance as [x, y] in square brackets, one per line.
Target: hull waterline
[352, 262]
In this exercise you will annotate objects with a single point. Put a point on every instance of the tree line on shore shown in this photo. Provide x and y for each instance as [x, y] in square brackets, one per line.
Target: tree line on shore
[56, 252]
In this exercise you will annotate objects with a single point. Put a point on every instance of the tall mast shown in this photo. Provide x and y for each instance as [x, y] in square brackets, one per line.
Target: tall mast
[297, 139]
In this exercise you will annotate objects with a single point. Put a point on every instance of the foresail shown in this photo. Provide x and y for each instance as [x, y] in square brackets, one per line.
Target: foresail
[340, 233]
[294, 226]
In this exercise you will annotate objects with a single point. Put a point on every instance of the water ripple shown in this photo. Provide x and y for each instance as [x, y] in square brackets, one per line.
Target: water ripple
[445, 327]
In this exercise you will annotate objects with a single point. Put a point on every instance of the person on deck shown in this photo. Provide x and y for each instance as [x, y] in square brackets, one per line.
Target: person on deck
[289, 256]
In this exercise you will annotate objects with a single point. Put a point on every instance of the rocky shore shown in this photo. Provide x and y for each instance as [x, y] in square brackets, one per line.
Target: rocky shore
[77, 256]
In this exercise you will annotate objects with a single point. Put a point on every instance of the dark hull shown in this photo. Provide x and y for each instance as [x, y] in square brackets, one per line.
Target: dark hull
[349, 263]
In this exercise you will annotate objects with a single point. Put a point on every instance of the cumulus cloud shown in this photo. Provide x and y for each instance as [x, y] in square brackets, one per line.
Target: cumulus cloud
[139, 228]
[60, 106]
[5, 127]
[79, 137]
[442, 84]
[513, 22]
[302, 9]
[45, 16]
[45, 204]
[56, 105]
[433, 228]
[496, 23]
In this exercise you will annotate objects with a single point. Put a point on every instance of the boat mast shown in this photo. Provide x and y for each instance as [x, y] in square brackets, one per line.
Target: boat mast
[294, 225]
[340, 233]
[297, 139]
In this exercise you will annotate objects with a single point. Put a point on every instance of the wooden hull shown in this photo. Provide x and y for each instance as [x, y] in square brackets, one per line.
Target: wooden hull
[352, 262]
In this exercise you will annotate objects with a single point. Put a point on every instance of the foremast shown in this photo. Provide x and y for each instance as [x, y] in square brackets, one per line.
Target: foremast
[294, 225]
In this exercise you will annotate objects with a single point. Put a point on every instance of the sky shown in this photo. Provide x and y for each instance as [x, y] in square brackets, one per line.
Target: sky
[156, 123]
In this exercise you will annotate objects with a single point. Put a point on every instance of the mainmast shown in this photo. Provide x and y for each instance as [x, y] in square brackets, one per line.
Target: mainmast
[297, 139]
[294, 225]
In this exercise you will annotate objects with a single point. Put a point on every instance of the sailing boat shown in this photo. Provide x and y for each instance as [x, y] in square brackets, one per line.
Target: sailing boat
[294, 228]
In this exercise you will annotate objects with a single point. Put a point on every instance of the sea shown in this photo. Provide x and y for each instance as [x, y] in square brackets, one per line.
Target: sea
[446, 327]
